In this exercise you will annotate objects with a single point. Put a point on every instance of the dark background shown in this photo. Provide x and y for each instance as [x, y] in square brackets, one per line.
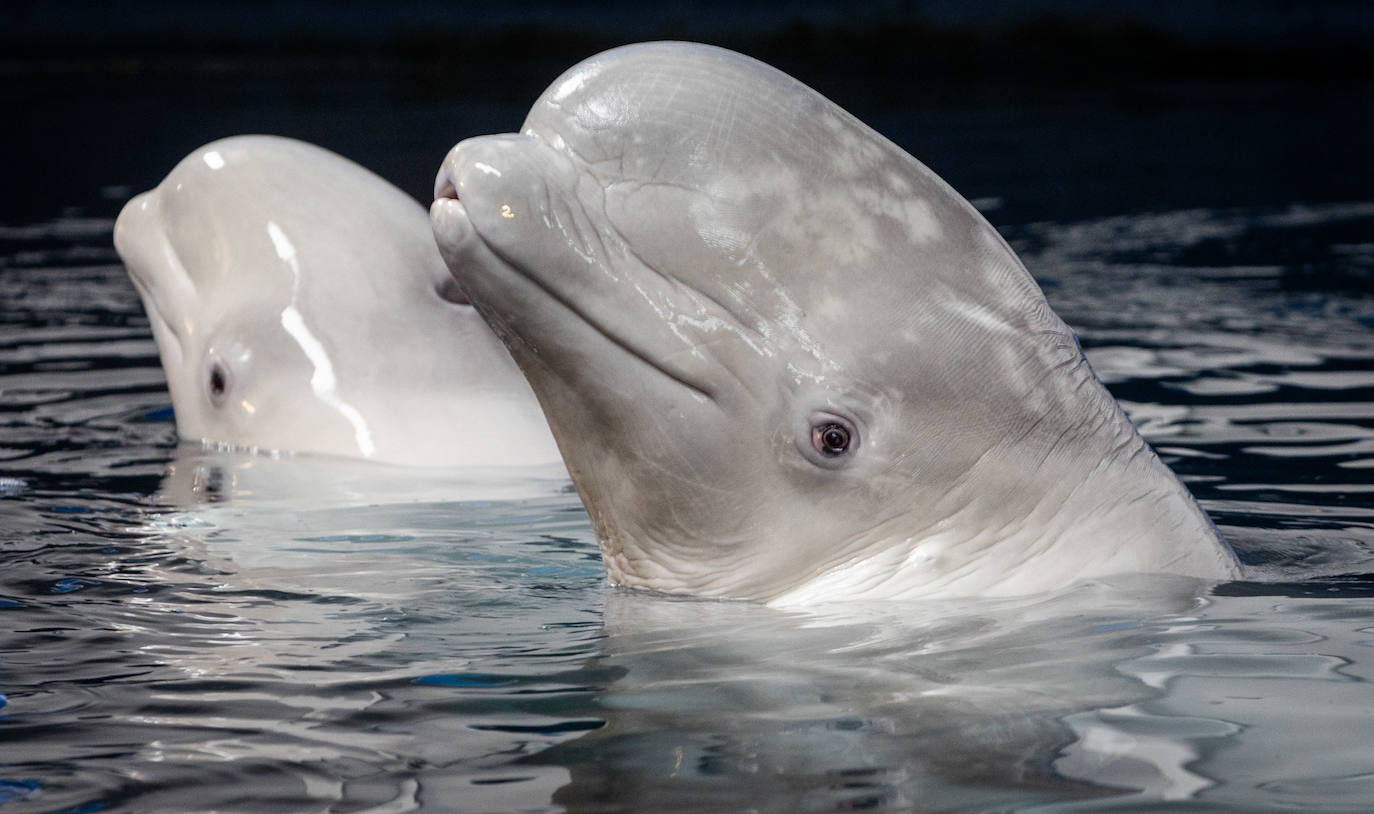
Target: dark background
[1046, 109]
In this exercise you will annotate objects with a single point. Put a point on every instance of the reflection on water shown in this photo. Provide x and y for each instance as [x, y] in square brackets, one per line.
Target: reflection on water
[195, 630]
[857, 706]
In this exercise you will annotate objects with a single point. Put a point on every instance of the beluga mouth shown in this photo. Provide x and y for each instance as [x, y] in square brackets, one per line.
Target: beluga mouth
[444, 186]
[783, 359]
[457, 239]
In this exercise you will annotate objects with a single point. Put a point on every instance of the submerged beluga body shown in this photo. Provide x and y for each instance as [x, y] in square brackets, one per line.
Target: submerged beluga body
[299, 304]
[783, 359]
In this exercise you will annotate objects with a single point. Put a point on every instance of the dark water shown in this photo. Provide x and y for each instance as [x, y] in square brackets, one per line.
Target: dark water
[187, 630]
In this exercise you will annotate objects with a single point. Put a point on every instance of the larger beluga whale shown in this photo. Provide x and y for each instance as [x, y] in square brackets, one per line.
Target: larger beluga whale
[299, 304]
[783, 359]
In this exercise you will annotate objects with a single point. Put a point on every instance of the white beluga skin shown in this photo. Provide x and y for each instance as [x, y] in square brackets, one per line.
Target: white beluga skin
[783, 359]
[299, 304]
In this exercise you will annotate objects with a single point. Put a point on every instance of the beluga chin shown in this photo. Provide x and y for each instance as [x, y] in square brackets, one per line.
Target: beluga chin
[784, 360]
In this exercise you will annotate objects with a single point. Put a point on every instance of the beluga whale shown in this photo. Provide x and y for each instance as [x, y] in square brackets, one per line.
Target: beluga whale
[299, 304]
[784, 360]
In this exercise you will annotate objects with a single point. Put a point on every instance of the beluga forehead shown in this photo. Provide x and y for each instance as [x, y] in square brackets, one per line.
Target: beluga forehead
[767, 169]
[245, 206]
[678, 112]
[618, 98]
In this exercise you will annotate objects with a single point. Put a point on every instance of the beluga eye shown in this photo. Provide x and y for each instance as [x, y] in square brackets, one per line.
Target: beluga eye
[828, 440]
[218, 381]
[832, 439]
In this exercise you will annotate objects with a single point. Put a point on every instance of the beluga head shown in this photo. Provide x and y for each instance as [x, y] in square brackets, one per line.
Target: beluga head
[783, 359]
[299, 304]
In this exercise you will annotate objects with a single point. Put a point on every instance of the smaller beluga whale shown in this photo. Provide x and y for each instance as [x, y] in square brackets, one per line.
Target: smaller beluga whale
[299, 304]
[783, 359]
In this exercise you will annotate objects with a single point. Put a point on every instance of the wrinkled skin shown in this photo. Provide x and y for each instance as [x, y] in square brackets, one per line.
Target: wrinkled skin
[703, 267]
[299, 304]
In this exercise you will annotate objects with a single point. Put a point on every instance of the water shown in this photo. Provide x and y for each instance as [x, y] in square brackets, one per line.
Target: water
[192, 630]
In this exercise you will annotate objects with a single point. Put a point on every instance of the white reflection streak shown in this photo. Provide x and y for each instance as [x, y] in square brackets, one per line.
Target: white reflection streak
[322, 381]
